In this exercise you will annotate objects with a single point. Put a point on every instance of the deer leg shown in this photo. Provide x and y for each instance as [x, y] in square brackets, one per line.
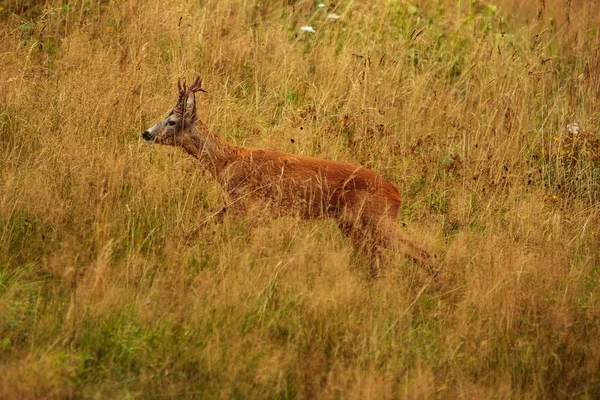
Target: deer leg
[218, 215]
[391, 236]
[364, 242]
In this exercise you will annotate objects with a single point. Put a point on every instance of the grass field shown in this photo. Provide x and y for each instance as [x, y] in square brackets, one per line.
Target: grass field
[486, 114]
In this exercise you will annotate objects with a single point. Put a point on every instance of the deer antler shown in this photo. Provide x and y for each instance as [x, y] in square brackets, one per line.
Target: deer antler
[196, 86]
[185, 92]
[182, 93]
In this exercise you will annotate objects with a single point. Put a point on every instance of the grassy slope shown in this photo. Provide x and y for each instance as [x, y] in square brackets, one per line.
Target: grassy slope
[465, 106]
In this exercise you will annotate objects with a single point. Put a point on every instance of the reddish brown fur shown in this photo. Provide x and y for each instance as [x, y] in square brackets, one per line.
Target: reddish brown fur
[363, 203]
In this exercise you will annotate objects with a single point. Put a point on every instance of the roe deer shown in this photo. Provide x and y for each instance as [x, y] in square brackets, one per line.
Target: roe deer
[364, 204]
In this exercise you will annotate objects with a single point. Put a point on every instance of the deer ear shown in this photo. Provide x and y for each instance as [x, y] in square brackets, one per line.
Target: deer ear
[190, 106]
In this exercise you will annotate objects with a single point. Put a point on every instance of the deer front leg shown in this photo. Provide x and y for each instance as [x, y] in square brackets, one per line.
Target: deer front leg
[193, 232]
[216, 214]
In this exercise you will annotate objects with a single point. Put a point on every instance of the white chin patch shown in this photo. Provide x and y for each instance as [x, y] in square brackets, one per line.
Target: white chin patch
[150, 141]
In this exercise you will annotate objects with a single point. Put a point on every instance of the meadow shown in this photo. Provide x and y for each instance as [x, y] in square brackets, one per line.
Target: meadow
[117, 280]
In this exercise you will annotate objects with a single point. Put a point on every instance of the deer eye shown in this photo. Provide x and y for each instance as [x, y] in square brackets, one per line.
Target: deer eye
[171, 123]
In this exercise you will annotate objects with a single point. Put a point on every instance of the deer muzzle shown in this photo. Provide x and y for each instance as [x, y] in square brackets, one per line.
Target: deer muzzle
[149, 135]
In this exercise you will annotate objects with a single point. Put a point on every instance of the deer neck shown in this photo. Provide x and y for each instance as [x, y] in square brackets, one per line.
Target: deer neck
[213, 152]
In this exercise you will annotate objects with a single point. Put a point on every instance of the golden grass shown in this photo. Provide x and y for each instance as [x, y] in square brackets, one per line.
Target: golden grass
[464, 104]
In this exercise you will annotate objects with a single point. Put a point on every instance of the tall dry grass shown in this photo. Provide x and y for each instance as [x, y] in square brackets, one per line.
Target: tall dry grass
[464, 104]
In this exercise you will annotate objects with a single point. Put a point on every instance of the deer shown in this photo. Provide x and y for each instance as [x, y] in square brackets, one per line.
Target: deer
[364, 205]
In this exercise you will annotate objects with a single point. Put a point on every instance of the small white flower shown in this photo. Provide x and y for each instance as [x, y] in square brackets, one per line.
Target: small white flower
[333, 16]
[308, 29]
[573, 128]
[320, 5]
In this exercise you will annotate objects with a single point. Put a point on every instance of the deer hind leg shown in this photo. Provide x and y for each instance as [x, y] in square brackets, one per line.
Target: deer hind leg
[365, 242]
[392, 237]
[370, 238]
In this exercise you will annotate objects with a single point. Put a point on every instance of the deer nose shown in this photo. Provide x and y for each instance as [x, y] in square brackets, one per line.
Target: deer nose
[146, 135]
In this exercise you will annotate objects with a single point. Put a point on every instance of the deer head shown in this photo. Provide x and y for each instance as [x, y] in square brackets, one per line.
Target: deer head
[177, 128]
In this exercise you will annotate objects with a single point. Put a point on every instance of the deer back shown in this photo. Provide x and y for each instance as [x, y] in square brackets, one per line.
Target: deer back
[314, 187]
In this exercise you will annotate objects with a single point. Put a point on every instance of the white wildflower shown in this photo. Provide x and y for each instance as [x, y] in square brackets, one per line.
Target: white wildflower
[573, 128]
[308, 29]
[333, 16]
